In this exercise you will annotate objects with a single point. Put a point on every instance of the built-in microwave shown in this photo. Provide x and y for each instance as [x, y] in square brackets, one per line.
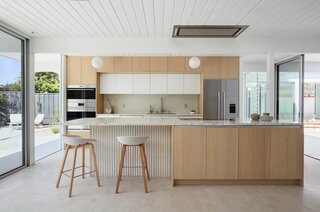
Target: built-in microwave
[81, 92]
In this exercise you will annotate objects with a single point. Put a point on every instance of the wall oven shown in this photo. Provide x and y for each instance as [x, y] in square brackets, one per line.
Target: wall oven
[81, 103]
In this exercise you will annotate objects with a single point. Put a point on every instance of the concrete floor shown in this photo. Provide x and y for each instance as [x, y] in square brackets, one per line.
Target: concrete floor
[33, 189]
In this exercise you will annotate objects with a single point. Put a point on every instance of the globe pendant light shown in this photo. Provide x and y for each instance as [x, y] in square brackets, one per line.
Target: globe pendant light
[97, 62]
[194, 62]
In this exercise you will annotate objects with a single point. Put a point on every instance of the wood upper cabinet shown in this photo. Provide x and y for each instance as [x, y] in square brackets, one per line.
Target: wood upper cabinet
[189, 69]
[140, 64]
[123, 64]
[253, 148]
[176, 64]
[222, 153]
[229, 68]
[220, 67]
[73, 70]
[108, 65]
[189, 153]
[158, 64]
[80, 71]
[286, 153]
[210, 67]
[88, 73]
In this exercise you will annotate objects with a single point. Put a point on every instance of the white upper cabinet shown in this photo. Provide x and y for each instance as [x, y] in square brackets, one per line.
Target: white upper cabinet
[150, 83]
[174, 84]
[108, 83]
[141, 83]
[125, 84]
[191, 83]
[158, 83]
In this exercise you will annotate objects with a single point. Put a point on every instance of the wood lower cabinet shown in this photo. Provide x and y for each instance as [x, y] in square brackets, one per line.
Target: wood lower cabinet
[189, 153]
[286, 153]
[222, 153]
[253, 147]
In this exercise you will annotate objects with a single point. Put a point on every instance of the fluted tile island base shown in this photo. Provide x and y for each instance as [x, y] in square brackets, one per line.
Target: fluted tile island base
[158, 150]
[203, 152]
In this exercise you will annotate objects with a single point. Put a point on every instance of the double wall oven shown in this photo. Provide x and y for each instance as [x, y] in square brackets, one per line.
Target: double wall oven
[81, 103]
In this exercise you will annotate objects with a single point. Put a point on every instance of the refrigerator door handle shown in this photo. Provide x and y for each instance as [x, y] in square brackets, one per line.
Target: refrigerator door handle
[218, 105]
[224, 105]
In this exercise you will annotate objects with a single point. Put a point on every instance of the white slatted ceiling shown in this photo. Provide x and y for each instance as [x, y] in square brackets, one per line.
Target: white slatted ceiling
[155, 18]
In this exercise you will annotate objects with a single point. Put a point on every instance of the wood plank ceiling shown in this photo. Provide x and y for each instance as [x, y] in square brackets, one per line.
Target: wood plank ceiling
[155, 18]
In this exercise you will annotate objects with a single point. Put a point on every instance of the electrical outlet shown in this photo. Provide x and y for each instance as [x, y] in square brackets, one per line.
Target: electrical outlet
[185, 105]
[123, 105]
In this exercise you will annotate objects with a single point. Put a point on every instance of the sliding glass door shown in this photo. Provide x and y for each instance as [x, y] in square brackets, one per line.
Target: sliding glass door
[12, 104]
[289, 89]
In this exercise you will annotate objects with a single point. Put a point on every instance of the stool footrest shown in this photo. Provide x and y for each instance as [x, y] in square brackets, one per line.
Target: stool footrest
[132, 167]
[79, 174]
[68, 170]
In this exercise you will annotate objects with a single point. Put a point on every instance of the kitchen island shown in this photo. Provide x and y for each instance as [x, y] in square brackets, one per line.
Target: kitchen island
[203, 151]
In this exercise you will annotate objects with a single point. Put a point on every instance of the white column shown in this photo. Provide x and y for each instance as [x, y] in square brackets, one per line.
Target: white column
[270, 84]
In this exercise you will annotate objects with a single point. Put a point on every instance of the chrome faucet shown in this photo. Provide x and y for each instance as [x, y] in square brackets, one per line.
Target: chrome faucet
[162, 107]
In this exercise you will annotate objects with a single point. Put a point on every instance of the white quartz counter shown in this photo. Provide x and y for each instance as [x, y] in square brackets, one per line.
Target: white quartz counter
[174, 121]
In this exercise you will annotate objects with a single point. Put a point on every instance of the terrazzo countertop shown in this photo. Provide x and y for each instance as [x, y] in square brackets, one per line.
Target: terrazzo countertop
[174, 122]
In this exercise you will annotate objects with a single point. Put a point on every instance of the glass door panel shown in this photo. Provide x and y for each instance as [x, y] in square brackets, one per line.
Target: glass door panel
[11, 102]
[289, 89]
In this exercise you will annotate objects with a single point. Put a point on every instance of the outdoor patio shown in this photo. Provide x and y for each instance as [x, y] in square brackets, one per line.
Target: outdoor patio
[10, 139]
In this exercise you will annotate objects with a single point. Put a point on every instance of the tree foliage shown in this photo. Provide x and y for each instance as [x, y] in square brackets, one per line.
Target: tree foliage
[4, 109]
[47, 82]
[12, 87]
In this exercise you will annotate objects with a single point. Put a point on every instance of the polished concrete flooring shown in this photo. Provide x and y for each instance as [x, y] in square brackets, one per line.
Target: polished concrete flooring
[33, 189]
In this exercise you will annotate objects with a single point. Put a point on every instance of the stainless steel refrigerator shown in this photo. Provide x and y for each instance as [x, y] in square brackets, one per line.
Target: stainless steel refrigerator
[220, 99]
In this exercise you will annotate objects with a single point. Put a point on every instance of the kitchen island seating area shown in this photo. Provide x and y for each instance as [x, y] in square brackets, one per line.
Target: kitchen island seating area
[76, 142]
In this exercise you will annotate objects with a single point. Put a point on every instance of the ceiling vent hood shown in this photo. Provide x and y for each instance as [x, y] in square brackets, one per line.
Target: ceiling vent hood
[208, 31]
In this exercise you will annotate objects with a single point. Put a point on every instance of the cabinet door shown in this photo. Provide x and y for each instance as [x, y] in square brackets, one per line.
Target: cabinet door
[108, 65]
[73, 70]
[158, 83]
[222, 153]
[158, 64]
[125, 84]
[122, 64]
[176, 64]
[140, 64]
[141, 83]
[252, 153]
[174, 83]
[191, 83]
[189, 69]
[229, 67]
[210, 67]
[189, 153]
[286, 153]
[88, 72]
[108, 83]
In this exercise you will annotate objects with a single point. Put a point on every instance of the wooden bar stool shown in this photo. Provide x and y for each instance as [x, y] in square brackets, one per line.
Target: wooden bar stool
[73, 141]
[127, 141]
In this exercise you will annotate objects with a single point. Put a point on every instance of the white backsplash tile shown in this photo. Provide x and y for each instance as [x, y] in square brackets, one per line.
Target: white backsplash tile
[137, 104]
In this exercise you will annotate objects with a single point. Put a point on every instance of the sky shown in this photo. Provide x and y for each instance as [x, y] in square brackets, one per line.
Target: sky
[10, 70]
